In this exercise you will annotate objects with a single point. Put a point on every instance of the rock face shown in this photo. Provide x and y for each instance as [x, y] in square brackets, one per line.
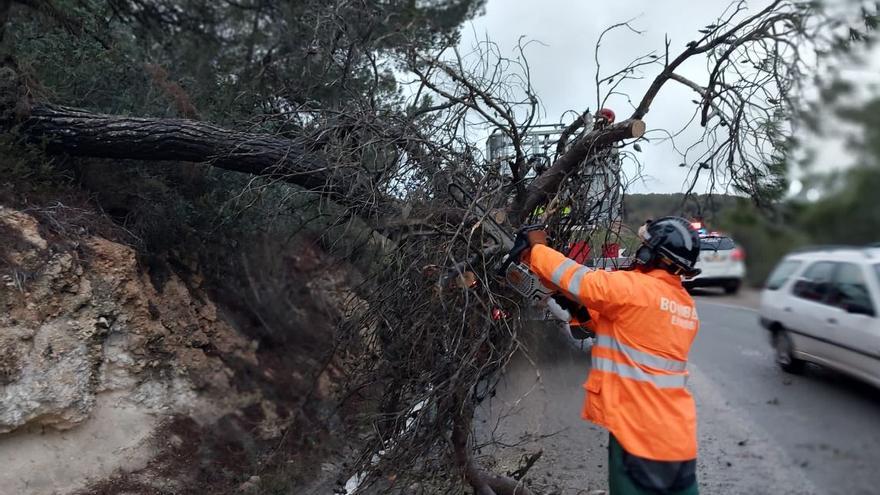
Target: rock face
[81, 325]
[82, 321]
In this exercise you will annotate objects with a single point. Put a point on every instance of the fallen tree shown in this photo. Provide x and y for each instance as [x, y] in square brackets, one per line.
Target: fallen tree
[430, 342]
[79, 132]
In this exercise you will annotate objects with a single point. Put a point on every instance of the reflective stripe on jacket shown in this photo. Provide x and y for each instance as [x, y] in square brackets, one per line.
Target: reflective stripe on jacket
[645, 325]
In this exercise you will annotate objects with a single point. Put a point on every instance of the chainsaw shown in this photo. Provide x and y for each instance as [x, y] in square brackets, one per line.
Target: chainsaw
[516, 273]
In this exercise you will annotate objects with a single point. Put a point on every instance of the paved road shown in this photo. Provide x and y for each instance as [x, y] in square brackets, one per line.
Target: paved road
[761, 431]
[828, 425]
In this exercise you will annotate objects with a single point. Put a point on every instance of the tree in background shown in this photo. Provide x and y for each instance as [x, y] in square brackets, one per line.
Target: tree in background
[766, 235]
[848, 212]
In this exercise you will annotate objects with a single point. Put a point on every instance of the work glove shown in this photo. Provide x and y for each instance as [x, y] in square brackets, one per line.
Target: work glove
[527, 237]
[537, 237]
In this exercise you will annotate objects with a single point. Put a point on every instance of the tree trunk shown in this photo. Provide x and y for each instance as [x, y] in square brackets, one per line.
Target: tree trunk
[483, 483]
[547, 184]
[78, 132]
[83, 133]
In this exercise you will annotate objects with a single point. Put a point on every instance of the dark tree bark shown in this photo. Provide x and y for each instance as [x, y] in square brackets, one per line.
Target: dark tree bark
[82, 133]
[566, 133]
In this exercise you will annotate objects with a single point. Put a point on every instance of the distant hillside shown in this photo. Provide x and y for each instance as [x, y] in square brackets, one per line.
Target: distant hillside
[638, 207]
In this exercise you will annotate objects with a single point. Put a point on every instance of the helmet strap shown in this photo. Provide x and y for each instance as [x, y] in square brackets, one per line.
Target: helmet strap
[671, 266]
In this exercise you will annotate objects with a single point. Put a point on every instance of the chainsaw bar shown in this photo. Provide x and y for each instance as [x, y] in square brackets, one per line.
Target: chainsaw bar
[490, 226]
[517, 275]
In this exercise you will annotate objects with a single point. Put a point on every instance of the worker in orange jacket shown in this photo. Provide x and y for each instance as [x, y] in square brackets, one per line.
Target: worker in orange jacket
[645, 323]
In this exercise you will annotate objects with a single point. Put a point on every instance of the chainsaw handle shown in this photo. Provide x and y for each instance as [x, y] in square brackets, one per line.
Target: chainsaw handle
[520, 244]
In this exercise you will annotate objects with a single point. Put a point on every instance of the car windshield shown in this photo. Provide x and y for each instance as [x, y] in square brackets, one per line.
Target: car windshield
[781, 273]
[877, 271]
[716, 244]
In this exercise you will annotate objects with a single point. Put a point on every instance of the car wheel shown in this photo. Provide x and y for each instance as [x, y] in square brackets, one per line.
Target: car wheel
[785, 353]
[731, 288]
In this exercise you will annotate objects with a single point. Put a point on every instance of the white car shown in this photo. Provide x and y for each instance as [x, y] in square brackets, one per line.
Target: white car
[722, 263]
[821, 306]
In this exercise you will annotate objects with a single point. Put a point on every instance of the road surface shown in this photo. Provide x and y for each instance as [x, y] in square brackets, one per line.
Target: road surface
[761, 430]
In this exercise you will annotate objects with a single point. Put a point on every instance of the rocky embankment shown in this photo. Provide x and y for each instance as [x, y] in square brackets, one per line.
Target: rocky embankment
[107, 375]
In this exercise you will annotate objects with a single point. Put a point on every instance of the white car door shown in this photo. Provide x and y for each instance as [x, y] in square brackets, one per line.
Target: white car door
[853, 325]
[776, 294]
[874, 281]
[805, 311]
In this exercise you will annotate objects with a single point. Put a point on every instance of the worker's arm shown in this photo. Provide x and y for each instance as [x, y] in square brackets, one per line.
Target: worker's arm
[595, 289]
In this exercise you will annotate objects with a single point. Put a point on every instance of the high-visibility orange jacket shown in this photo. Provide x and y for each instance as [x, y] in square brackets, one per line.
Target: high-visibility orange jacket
[644, 330]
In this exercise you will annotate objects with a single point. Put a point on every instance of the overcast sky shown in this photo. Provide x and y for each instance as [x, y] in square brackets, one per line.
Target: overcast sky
[563, 68]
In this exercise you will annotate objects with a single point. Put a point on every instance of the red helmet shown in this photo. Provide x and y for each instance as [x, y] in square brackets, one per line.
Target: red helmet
[607, 114]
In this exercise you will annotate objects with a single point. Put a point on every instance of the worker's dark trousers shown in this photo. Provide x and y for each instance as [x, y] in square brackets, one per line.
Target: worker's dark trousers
[631, 475]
